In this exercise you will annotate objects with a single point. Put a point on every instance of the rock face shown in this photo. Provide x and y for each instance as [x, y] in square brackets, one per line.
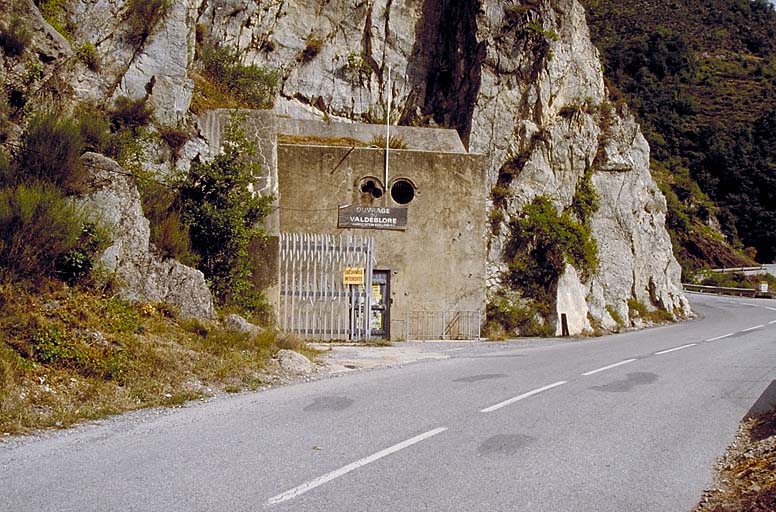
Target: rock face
[157, 67]
[141, 274]
[522, 84]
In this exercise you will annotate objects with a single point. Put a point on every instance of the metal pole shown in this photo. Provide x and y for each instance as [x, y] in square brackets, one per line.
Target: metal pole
[387, 128]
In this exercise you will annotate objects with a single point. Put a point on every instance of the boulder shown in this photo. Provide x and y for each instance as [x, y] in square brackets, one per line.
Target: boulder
[294, 362]
[142, 275]
[235, 323]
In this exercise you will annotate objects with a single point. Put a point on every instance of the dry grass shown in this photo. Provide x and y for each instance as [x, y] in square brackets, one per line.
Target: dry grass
[209, 95]
[311, 140]
[69, 355]
[746, 475]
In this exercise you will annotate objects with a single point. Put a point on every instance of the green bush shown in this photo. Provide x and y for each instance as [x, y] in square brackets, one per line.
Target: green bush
[50, 151]
[78, 261]
[394, 142]
[312, 47]
[129, 113]
[87, 53]
[223, 215]
[37, 227]
[95, 129]
[537, 28]
[55, 13]
[637, 309]
[51, 346]
[615, 316]
[507, 317]
[143, 16]
[586, 201]
[357, 67]
[15, 38]
[175, 138]
[169, 233]
[252, 85]
[541, 243]
[6, 172]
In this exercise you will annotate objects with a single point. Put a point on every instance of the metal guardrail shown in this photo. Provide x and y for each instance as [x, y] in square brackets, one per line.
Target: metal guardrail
[727, 270]
[720, 290]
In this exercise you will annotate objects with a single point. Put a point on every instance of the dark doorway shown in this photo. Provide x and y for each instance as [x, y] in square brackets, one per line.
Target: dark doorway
[380, 316]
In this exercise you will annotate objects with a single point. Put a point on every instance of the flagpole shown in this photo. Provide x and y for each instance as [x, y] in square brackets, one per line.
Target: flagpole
[387, 129]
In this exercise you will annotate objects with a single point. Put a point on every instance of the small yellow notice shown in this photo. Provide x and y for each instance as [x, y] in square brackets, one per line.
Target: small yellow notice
[353, 275]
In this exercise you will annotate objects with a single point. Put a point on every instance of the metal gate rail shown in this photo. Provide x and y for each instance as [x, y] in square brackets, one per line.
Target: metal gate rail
[314, 302]
[443, 325]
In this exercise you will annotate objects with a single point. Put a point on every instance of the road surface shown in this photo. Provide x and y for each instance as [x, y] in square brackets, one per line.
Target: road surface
[629, 422]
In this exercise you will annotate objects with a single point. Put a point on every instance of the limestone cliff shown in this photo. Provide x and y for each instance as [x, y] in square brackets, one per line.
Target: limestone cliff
[520, 81]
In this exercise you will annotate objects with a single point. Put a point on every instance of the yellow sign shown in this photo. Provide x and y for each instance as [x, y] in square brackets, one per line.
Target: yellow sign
[353, 275]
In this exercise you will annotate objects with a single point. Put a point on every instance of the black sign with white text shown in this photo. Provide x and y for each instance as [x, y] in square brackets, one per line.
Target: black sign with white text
[372, 217]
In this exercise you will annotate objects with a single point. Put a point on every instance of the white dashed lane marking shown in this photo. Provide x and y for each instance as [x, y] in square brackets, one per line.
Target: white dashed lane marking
[675, 349]
[521, 397]
[609, 367]
[312, 484]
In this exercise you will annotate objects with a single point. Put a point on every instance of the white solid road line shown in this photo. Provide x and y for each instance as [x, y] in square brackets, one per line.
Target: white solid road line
[312, 484]
[772, 322]
[615, 365]
[521, 397]
[722, 337]
[675, 349]
[754, 328]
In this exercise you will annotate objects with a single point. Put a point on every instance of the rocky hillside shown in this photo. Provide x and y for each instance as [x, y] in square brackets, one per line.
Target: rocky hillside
[701, 77]
[578, 223]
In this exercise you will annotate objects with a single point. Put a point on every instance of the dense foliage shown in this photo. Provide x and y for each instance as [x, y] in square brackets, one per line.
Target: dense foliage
[541, 242]
[701, 77]
[42, 232]
[224, 214]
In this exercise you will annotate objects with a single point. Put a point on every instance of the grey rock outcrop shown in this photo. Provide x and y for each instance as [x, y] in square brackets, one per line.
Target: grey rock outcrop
[236, 323]
[142, 275]
[157, 68]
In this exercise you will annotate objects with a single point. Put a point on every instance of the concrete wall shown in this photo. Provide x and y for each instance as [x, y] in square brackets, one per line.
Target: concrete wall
[438, 263]
[439, 140]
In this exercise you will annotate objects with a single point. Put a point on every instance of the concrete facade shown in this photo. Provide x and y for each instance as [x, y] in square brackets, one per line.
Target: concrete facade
[438, 262]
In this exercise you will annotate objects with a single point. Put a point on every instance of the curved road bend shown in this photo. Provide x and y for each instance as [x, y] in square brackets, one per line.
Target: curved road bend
[629, 422]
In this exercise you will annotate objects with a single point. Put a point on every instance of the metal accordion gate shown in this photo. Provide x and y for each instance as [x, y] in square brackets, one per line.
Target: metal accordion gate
[315, 303]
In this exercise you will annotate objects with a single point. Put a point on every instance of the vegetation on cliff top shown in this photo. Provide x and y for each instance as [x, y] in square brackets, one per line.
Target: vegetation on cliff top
[701, 77]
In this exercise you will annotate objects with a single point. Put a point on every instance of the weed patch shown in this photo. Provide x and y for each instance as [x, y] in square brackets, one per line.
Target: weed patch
[227, 83]
[15, 38]
[69, 354]
[143, 16]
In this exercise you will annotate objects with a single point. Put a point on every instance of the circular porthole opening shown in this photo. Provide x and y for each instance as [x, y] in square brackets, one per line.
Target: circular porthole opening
[402, 191]
[371, 187]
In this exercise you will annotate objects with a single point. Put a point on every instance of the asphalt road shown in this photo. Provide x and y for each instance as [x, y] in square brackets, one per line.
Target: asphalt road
[622, 423]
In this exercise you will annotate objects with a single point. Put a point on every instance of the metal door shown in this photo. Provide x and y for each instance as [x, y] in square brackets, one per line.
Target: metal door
[380, 314]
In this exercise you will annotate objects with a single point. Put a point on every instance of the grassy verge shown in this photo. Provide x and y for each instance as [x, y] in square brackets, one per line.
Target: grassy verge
[69, 354]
